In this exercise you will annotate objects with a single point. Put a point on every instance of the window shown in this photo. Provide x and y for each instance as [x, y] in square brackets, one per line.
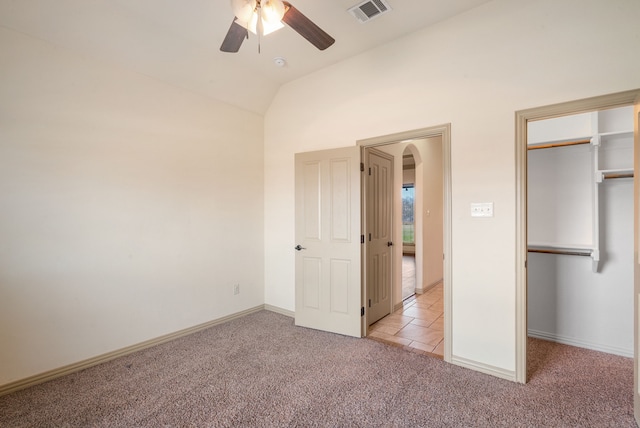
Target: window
[408, 209]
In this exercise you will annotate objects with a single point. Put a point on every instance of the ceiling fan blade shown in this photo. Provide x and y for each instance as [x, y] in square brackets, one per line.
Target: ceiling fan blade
[234, 38]
[306, 28]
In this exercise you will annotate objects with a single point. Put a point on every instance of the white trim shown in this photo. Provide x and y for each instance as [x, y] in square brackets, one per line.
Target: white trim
[422, 290]
[278, 310]
[484, 368]
[580, 343]
[81, 365]
[521, 248]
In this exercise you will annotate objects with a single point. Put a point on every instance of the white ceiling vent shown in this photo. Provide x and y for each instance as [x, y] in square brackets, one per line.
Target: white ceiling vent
[369, 9]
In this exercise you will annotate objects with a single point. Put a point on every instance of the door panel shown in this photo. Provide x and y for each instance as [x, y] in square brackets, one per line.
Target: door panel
[379, 208]
[311, 190]
[328, 277]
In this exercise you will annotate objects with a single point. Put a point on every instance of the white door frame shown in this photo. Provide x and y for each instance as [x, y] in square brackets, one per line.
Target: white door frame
[522, 118]
[443, 131]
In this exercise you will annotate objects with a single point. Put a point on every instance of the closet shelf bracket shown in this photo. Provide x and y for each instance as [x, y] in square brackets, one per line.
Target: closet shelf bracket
[595, 260]
[605, 174]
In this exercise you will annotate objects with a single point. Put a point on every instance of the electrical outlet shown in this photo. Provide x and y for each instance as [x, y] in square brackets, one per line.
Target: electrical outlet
[236, 289]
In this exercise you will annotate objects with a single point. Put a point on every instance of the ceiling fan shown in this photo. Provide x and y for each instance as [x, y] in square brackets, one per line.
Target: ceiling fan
[262, 17]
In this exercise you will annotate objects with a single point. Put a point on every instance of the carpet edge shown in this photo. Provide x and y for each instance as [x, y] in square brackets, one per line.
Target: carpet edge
[103, 358]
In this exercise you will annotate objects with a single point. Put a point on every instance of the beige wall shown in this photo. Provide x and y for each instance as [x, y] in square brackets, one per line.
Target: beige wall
[409, 175]
[128, 208]
[432, 210]
[473, 71]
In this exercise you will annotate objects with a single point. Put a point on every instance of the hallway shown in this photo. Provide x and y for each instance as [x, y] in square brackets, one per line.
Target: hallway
[418, 325]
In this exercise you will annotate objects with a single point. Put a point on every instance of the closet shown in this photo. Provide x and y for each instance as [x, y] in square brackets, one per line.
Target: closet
[580, 230]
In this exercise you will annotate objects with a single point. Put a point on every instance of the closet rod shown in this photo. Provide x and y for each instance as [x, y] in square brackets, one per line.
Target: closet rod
[559, 144]
[617, 175]
[563, 252]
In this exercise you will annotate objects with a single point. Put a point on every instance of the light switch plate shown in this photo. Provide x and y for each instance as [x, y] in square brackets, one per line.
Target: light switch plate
[482, 209]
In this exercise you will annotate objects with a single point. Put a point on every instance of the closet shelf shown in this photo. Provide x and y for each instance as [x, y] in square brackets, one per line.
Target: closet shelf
[592, 139]
[559, 143]
[617, 134]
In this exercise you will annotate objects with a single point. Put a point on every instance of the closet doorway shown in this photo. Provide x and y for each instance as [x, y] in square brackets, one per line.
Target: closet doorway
[422, 185]
[582, 158]
[580, 230]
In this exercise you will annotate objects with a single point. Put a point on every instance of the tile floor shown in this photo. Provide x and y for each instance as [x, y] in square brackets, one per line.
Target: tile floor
[408, 276]
[418, 325]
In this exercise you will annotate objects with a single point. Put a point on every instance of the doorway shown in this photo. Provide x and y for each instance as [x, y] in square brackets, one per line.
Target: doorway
[331, 263]
[408, 196]
[580, 230]
[523, 120]
[416, 322]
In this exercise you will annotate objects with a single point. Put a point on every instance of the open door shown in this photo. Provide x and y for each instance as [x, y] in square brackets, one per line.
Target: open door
[378, 234]
[328, 247]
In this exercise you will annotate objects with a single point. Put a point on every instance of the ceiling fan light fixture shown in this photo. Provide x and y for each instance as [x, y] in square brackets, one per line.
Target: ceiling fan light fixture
[272, 10]
[249, 11]
[268, 27]
[244, 9]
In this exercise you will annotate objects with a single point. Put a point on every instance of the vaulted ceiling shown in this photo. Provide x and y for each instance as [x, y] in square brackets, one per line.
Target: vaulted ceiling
[177, 41]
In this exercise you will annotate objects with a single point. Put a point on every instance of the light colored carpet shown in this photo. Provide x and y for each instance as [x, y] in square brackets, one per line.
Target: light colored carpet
[263, 371]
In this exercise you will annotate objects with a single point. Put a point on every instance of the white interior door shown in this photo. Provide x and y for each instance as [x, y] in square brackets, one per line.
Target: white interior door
[328, 248]
[378, 233]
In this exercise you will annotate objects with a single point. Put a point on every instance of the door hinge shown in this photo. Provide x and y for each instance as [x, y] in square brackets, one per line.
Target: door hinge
[369, 237]
[361, 167]
[362, 311]
[369, 171]
[369, 302]
[362, 239]
[525, 264]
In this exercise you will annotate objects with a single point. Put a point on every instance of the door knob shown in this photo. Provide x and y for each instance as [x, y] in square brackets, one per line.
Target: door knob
[389, 244]
[299, 247]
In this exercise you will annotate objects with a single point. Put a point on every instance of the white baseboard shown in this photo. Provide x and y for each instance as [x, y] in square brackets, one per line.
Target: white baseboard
[81, 365]
[580, 343]
[428, 287]
[484, 368]
[280, 311]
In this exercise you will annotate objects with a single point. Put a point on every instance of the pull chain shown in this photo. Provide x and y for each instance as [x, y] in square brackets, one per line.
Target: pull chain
[259, 24]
